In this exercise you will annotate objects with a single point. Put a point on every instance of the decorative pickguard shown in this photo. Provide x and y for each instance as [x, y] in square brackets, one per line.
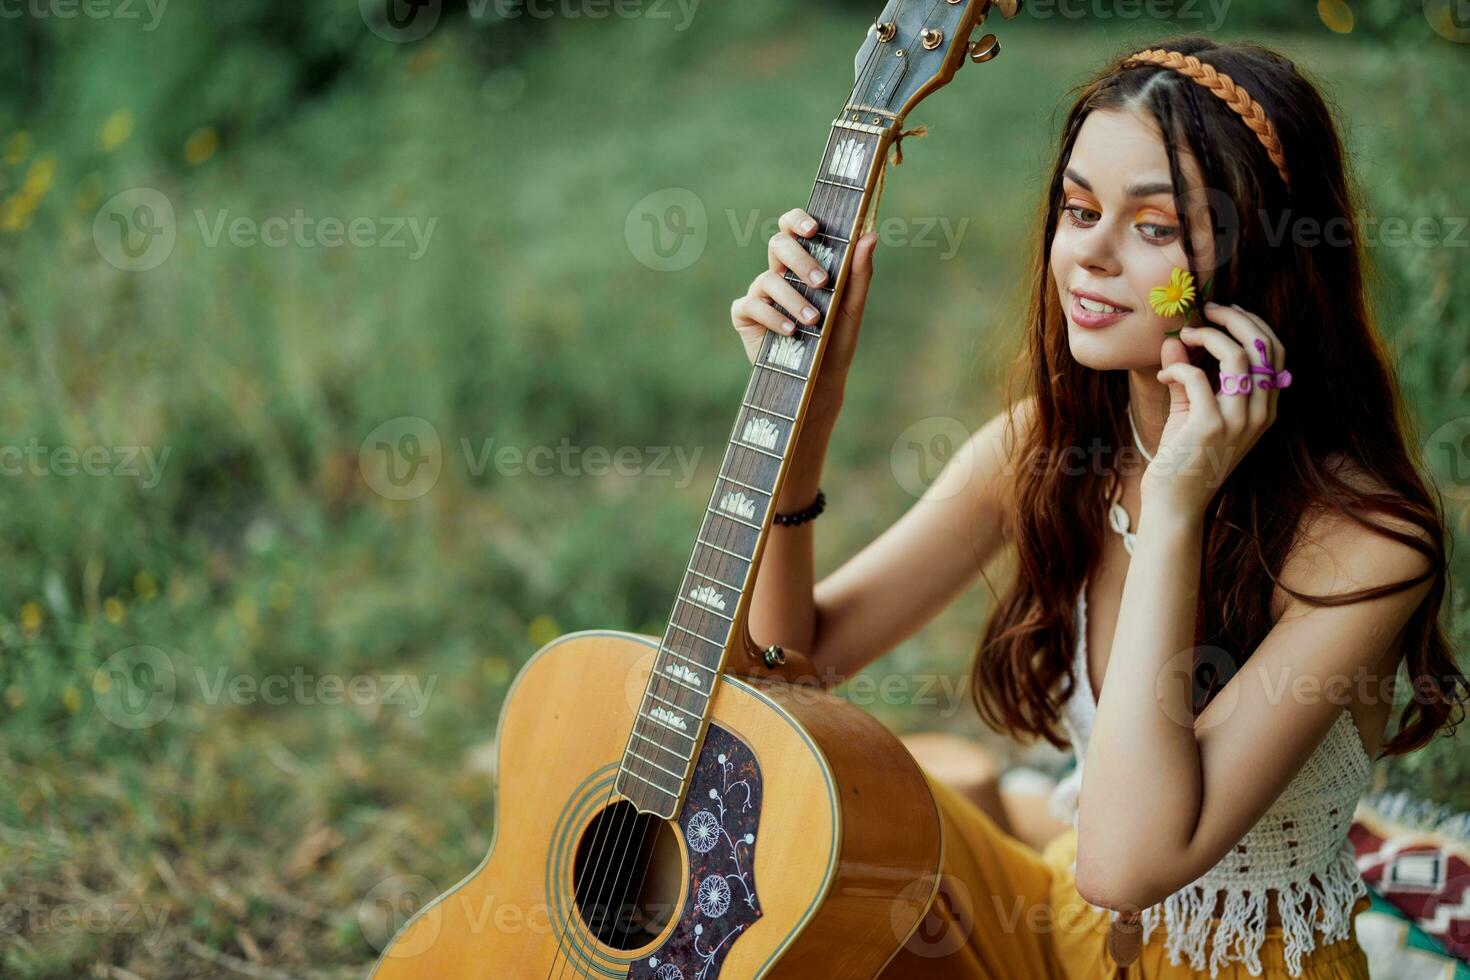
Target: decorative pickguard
[718, 821]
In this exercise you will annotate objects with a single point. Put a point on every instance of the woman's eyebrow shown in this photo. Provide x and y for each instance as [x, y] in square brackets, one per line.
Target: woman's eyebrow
[1135, 190]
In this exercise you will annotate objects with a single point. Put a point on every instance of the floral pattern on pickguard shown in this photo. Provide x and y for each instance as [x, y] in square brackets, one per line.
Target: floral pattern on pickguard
[718, 822]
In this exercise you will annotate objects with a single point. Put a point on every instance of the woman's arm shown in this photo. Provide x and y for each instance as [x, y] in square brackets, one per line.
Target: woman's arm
[903, 578]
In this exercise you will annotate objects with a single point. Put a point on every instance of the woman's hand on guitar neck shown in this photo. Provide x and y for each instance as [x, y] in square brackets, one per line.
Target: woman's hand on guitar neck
[772, 303]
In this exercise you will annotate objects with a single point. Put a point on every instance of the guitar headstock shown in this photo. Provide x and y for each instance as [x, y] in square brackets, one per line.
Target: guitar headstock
[914, 48]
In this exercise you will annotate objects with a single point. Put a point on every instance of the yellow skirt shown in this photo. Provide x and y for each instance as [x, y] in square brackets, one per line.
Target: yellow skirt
[1005, 912]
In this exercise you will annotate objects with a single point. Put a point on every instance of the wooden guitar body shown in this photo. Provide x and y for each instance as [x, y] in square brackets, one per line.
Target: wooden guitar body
[808, 845]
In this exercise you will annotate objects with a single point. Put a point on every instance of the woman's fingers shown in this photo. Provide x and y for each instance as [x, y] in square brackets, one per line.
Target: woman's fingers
[749, 310]
[774, 285]
[1237, 410]
[1246, 332]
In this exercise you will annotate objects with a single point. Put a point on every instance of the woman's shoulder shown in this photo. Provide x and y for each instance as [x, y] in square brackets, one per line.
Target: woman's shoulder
[1333, 552]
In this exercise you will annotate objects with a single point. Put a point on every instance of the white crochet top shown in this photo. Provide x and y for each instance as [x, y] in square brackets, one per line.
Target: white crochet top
[1304, 833]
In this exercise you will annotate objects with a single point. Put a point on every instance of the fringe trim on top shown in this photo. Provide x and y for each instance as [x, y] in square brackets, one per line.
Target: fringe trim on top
[1187, 916]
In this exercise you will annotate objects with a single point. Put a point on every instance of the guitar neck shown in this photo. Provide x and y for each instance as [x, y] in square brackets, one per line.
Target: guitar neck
[706, 623]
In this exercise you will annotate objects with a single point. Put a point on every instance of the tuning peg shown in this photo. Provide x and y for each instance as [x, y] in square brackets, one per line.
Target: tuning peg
[984, 49]
[1008, 8]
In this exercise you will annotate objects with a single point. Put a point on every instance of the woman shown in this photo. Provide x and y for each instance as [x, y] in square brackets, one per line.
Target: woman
[1255, 543]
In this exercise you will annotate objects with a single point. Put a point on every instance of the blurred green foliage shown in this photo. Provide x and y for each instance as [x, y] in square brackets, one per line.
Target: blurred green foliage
[256, 376]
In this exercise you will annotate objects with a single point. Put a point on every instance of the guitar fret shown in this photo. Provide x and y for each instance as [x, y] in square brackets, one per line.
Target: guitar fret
[671, 704]
[742, 483]
[688, 659]
[691, 569]
[670, 772]
[670, 677]
[756, 449]
[711, 544]
[714, 643]
[644, 779]
[836, 183]
[656, 742]
[772, 411]
[767, 367]
[859, 127]
[670, 728]
[739, 520]
[833, 238]
[706, 609]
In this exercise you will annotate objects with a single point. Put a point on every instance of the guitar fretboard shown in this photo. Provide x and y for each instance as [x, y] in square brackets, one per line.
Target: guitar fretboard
[671, 719]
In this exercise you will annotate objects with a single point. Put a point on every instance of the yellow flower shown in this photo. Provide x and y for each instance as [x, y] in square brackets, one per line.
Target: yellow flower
[113, 609]
[30, 617]
[39, 177]
[1174, 297]
[116, 130]
[201, 145]
[18, 147]
[542, 630]
[71, 699]
[145, 585]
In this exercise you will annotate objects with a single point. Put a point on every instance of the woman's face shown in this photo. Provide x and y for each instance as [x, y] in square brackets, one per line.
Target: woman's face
[1119, 236]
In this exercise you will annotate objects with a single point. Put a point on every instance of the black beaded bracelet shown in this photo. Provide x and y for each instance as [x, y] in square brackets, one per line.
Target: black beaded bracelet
[805, 514]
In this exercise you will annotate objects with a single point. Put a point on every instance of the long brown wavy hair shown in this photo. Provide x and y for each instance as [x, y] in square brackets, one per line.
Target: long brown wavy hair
[1344, 406]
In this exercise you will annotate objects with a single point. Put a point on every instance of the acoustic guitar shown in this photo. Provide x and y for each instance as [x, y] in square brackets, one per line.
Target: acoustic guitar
[659, 819]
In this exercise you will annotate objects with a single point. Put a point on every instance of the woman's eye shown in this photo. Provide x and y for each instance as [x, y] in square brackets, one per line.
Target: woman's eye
[1157, 233]
[1079, 214]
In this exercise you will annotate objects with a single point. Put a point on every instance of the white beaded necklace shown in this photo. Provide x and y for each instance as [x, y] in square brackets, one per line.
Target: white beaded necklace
[1117, 513]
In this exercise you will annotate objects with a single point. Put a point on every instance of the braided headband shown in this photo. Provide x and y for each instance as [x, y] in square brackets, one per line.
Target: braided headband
[1235, 96]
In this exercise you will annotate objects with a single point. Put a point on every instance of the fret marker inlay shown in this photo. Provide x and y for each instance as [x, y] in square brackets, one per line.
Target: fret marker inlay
[761, 431]
[738, 504]
[787, 352]
[848, 160]
[669, 718]
[708, 595]
[684, 674]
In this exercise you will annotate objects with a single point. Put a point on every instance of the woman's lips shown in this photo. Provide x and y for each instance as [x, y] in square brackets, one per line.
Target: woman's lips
[1086, 318]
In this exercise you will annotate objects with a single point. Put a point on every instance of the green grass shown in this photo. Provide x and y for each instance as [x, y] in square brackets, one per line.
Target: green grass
[238, 828]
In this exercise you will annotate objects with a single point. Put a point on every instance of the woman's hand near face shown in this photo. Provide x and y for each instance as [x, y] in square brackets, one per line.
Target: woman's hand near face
[1207, 433]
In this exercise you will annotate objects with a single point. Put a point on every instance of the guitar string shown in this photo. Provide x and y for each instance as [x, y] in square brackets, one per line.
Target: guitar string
[824, 198]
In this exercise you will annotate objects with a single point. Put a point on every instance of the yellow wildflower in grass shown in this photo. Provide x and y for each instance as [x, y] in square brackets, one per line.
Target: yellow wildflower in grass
[71, 699]
[201, 145]
[39, 177]
[542, 630]
[245, 612]
[30, 617]
[1175, 297]
[113, 609]
[19, 146]
[145, 585]
[116, 130]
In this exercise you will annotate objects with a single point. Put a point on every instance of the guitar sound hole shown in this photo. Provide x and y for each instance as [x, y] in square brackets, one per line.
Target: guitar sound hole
[626, 876]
